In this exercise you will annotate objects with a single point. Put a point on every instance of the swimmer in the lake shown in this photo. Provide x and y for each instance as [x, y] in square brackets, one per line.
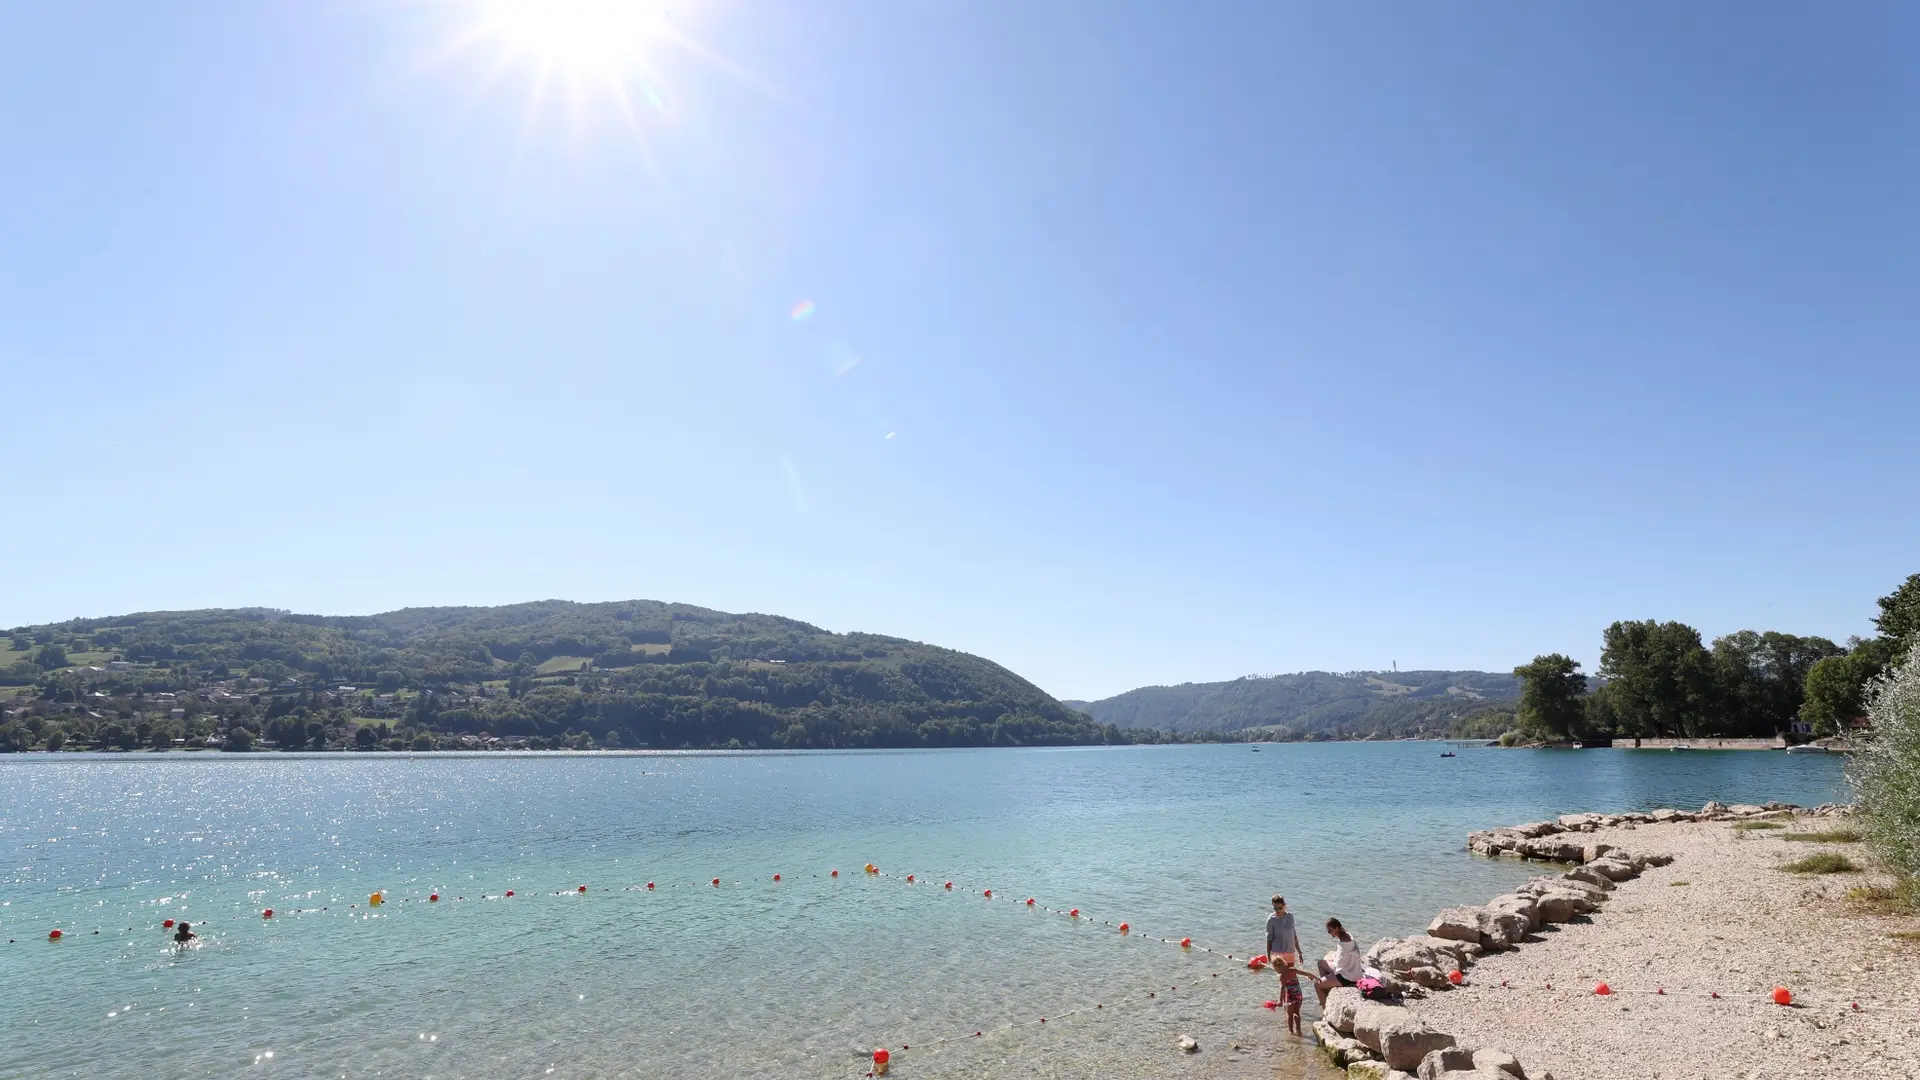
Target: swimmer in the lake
[184, 934]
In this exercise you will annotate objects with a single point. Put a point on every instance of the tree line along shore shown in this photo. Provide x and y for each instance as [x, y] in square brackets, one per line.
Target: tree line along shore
[1657, 680]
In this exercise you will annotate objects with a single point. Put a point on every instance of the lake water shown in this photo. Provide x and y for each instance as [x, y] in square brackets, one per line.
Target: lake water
[799, 978]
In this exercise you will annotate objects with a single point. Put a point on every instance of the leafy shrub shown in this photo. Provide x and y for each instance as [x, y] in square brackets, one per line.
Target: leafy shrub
[1885, 771]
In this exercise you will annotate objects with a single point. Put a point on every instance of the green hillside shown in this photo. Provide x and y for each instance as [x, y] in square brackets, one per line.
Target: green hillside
[552, 673]
[1313, 704]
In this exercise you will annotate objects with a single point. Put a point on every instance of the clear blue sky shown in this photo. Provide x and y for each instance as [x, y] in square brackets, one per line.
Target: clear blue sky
[1150, 342]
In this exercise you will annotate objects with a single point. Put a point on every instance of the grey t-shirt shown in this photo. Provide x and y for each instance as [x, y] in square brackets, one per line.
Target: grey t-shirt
[1281, 936]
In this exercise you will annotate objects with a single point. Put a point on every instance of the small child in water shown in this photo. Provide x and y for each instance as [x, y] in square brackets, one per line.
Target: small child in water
[184, 934]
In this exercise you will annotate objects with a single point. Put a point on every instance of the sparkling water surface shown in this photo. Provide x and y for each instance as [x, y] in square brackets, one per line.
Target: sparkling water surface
[801, 977]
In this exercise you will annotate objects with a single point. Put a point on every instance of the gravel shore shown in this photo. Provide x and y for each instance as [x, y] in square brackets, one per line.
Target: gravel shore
[1721, 918]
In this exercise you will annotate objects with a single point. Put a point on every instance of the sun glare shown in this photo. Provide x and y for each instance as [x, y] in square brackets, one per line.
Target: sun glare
[576, 34]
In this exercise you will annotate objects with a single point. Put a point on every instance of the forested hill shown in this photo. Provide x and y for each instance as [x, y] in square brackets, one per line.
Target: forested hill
[1312, 704]
[552, 673]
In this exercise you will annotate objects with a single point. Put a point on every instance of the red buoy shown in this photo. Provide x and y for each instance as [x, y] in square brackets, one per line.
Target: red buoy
[881, 1057]
[582, 888]
[909, 879]
[54, 935]
[988, 894]
[649, 884]
[1269, 1005]
[1782, 996]
[168, 924]
[1661, 990]
[1029, 901]
[836, 873]
[1455, 976]
[1074, 914]
[1124, 928]
[434, 898]
[267, 914]
[949, 884]
[1710, 993]
[1186, 943]
[509, 892]
[716, 883]
[1603, 990]
[776, 877]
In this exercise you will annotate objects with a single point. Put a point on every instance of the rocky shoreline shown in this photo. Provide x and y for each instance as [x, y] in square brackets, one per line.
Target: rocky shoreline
[1376, 1040]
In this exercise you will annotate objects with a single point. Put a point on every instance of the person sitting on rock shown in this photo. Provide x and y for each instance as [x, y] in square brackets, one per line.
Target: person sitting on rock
[1341, 967]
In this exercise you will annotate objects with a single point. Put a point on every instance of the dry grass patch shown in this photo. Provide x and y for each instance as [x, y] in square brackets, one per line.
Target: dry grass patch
[1830, 836]
[1885, 899]
[1825, 862]
[1755, 826]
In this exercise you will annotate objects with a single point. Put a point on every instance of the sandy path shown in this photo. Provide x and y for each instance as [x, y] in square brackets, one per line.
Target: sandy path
[1720, 918]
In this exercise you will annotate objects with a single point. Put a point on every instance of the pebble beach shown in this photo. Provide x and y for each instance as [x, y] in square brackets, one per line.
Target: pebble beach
[1720, 918]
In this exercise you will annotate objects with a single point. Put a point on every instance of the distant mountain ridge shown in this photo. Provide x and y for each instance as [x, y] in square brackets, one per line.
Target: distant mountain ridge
[1312, 704]
[551, 673]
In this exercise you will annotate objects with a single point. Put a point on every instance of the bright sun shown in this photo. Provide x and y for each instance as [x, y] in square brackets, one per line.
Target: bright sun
[576, 34]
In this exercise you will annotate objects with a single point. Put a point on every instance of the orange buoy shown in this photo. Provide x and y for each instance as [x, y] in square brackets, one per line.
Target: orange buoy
[54, 935]
[1782, 996]
[1124, 928]
[1256, 963]
[375, 899]
[776, 877]
[433, 899]
[582, 888]
[1074, 914]
[1455, 976]
[1603, 990]
[267, 914]
[872, 869]
[1186, 943]
[168, 924]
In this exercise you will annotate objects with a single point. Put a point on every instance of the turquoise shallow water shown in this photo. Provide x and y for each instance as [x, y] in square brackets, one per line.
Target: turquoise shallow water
[755, 978]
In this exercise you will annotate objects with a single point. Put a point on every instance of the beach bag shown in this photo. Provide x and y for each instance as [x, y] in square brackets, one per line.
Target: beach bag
[1370, 988]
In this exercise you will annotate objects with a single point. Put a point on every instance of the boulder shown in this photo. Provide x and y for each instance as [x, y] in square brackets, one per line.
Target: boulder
[1553, 849]
[1656, 859]
[1503, 929]
[1461, 952]
[1188, 1044]
[1515, 904]
[1535, 829]
[1408, 1040]
[1372, 1070]
[1667, 814]
[1457, 924]
[1780, 806]
[1341, 1003]
[1498, 1061]
[1339, 1049]
[1713, 808]
[1745, 810]
[1452, 1059]
[1613, 869]
[1588, 875]
[1561, 907]
[1580, 822]
[1590, 852]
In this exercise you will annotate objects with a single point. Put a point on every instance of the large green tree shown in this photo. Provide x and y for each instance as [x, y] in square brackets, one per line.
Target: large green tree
[1660, 678]
[1760, 679]
[1899, 618]
[1550, 697]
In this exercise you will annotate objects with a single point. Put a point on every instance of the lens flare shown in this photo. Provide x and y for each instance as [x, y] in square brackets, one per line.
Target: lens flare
[801, 311]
